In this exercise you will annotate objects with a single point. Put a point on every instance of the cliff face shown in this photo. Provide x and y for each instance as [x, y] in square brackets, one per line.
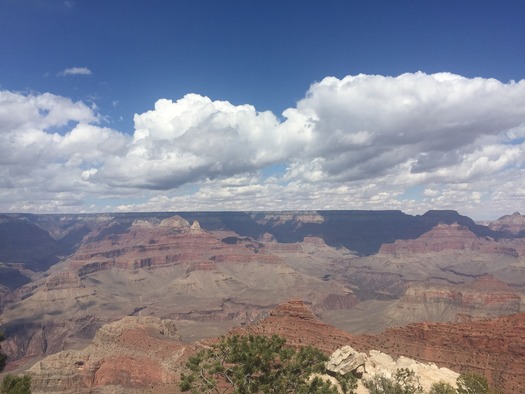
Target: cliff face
[295, 321]
[513, 224]
[168, 268]
[447, 237]
[484, 297]
[136, 353]
[494, 348]
[132, 353]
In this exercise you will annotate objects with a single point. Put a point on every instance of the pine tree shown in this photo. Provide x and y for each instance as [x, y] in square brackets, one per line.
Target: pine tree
[259, 364]
[16, 384]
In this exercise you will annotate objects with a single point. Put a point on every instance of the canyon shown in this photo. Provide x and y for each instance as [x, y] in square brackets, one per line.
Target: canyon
[373, 279]
[146, 354]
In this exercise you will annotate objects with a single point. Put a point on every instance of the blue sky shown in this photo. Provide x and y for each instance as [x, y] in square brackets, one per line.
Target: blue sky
[111, 105]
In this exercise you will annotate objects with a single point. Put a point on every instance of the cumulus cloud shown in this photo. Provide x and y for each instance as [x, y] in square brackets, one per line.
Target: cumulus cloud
[46, 142]
[367, 125]
[75, 70]
[412, 142]
[194, 139]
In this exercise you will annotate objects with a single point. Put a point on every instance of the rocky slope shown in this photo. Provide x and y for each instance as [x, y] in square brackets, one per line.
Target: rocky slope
[494, 348]
[212, 271]
[167, 268]
[141, 354]
[125, 356]
[484, 297]
[513, 224]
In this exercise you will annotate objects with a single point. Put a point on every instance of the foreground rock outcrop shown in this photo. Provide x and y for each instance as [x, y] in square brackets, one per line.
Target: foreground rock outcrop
[366, 366]
[494, 348]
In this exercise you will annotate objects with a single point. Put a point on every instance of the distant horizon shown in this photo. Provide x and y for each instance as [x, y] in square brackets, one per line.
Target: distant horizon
[291, 211]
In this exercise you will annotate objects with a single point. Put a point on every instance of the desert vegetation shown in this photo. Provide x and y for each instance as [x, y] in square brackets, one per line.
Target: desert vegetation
[264, 364]
[12, 384]
[404, 381]
[260, 364]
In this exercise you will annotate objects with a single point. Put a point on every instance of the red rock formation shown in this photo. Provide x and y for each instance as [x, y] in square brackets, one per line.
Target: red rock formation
[296, 322]
[172, 241]
[63, 280]
[317, 241]
[494, 348]
[483, 297]
[339, 301]
[134, 352]
[447, 237]
[513, 224]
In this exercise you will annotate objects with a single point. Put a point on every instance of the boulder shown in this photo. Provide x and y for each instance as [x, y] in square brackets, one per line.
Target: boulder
[346, 360]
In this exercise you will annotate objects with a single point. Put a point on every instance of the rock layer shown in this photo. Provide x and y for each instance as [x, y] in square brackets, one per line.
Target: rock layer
[138, 352]
[494, 348]
[132, 353]
[513, 224]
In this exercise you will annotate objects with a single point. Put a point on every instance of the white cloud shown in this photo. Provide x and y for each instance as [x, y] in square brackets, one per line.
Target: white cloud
[194, 139]
[412, 142]
[75, 70]
[366, 126]
[41, 166]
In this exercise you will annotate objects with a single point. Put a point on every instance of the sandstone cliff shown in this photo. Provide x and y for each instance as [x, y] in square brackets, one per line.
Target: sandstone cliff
[131, 354]
[513, 224]
[446, 237]
[494, 348]
[144, 353]
[167, 268]
[483, 297]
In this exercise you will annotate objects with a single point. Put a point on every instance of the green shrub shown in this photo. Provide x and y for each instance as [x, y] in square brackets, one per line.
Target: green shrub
[16, 384]
[442, 388]
[472, 383]
[259, 364]
[404, 381]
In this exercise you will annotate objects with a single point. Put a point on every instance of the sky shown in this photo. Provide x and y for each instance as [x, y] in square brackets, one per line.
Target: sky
[206, 105]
